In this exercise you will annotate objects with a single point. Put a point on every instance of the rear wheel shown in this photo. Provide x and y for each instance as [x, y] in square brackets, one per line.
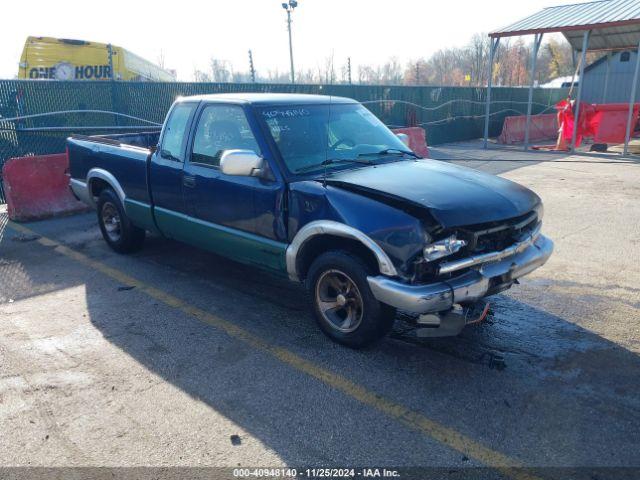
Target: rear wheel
[343, 305]
[117, 230]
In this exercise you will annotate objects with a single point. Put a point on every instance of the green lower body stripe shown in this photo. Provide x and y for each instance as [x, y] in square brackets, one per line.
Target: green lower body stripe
[231, 243]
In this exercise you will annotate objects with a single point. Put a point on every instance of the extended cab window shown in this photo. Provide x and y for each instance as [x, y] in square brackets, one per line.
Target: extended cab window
[174, 132]
[220, 128]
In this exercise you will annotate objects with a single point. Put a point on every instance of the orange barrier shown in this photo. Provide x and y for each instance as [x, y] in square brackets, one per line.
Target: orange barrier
[604, 123]
[611, 122]
[542, 127]
[417, 139]
[38, 187]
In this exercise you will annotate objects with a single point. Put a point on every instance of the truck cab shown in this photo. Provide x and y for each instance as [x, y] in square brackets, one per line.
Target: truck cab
[191, 190]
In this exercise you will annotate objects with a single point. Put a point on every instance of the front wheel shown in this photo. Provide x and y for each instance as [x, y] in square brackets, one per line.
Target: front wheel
[118, 231]
[343, 305]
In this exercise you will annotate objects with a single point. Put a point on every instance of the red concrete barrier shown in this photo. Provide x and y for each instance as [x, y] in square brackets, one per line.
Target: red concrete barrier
[610, 122]
[38, 187]
[603, 123]
[417, 139]
[542, 127]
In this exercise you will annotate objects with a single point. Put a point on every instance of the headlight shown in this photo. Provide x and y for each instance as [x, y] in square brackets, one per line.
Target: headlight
[443, 248]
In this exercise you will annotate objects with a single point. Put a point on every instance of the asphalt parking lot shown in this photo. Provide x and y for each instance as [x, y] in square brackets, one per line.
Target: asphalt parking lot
[176, 357]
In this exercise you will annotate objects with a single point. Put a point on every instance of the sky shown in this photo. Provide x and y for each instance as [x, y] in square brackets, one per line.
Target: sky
[189, 33]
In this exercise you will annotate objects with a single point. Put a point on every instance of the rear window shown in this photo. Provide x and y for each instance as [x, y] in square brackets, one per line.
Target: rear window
[174, 132]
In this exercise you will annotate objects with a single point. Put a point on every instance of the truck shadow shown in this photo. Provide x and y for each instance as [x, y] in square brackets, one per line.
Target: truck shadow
[531, 369]
[522, 357]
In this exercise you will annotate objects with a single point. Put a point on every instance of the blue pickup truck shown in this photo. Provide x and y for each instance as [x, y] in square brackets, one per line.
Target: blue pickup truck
[318, 189]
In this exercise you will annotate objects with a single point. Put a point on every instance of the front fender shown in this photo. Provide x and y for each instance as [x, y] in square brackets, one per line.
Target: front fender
[329, 227]
[394, 236]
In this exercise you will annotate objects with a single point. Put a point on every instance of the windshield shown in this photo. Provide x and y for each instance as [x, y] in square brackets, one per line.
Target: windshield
[329, 136]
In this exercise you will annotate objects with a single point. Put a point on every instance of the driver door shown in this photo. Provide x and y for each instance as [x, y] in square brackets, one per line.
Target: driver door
[224, 205]
[209, 194]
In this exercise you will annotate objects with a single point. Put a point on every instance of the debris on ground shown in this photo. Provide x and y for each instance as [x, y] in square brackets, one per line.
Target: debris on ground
[496, 361]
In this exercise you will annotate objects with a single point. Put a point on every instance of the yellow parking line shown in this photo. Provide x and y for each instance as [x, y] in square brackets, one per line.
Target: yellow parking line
[415, 420]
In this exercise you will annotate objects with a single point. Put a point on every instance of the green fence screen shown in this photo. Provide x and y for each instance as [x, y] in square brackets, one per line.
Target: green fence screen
[448, 114]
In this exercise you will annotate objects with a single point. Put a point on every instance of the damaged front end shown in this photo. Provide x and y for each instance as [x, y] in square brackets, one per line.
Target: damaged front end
[443, 270]
[463, 266]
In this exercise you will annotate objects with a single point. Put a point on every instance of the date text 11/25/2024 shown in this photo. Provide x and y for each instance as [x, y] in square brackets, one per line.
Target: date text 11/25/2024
[315, 473]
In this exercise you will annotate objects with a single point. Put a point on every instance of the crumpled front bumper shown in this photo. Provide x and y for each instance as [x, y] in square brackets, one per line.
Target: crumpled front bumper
[468, 287]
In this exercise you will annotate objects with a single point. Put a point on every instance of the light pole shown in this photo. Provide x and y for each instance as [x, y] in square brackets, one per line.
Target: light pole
[289, 8]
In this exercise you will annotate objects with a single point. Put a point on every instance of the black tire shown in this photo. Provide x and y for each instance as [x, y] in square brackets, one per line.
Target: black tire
[330, 275]
[117, 230]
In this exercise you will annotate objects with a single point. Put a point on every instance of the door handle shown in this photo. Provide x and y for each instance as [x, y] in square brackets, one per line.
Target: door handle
[189, 181]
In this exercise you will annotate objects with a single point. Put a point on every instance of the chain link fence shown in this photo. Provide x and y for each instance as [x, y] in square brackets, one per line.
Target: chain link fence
[37, 116]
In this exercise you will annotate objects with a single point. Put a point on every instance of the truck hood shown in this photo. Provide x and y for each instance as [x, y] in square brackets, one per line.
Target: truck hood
[454, 196]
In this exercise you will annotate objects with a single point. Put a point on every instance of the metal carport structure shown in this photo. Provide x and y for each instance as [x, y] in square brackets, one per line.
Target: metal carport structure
[603, 25]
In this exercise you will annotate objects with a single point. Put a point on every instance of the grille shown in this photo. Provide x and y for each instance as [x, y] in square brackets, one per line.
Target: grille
[483, 238]
[497, 236]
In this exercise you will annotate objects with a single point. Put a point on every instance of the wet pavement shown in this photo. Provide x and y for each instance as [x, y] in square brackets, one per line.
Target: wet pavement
[95, 372]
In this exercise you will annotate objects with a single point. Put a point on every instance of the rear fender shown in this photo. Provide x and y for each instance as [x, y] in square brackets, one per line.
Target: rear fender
[99, 173]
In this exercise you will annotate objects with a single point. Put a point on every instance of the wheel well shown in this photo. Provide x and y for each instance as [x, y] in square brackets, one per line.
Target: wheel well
[97, 185]
[320, 244]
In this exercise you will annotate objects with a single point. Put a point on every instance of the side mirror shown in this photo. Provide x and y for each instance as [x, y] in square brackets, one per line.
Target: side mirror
[404, 138]
[244, 163]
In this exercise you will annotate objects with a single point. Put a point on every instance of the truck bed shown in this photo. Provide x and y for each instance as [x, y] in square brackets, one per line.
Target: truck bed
[124, 156]
[135, 139]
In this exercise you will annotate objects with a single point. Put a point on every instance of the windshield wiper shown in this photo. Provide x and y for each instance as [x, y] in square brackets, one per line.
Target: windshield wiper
[331, 161]
[390, 151]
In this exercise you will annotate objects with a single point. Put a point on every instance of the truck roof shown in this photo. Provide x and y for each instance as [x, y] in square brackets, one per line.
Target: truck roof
[268, 99]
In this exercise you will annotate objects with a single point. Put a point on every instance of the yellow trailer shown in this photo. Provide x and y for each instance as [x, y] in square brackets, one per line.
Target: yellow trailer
[66, 59]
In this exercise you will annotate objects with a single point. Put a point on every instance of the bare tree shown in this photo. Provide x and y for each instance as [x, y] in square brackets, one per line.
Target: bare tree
[241, 77]
[392, 72]
[200, 76]
[344, 72]
[368, 74]
[416, 72]
[477, 57]
[161, 59]
[306, 76]
[327, 71]
[459, 66]
[221, 70]
[275, 76]
[444, 66]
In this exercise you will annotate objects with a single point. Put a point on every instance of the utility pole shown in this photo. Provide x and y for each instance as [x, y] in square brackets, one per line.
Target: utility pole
[417, 72]
[289, 7]
[110, 57]
[251, 69]
[114, 100]
[349, 69]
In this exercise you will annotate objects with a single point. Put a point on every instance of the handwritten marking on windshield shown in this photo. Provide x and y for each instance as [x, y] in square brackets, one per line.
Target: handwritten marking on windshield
[288, 113]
